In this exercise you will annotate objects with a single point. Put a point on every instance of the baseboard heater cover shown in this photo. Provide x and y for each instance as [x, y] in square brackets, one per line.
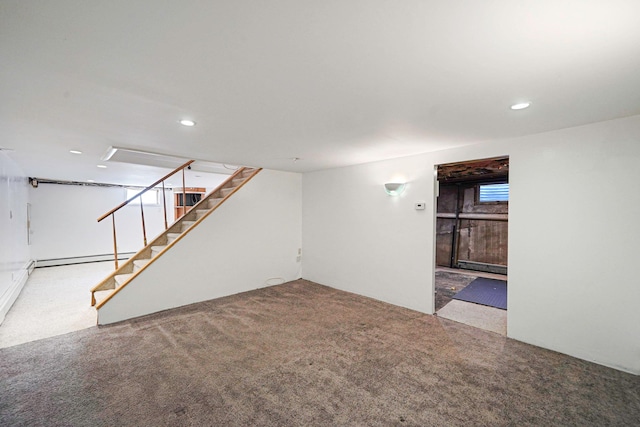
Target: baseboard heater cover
[19, 279]
[81, 259]
[31, 266]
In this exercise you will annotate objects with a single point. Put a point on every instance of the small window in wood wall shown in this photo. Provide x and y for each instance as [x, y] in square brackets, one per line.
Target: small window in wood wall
[492, 193]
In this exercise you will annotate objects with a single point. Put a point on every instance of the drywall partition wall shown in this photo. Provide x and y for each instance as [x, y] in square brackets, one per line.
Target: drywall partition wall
[14, 248]
[359, 239]
[64, 222]
[573, 286]
[249, 242]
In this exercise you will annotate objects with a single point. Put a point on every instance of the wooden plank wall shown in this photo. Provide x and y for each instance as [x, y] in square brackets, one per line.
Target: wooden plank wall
[481, 228]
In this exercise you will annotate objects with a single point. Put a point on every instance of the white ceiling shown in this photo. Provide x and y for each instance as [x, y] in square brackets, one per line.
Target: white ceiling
[331, 82]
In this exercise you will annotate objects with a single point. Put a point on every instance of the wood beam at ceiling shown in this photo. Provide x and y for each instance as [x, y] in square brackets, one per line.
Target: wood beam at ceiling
[486, 169]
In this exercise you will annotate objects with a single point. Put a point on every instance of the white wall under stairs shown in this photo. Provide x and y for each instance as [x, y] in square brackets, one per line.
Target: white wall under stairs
[249, 242]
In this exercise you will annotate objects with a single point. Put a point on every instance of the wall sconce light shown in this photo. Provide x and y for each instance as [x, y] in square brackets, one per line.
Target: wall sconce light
[394, 188]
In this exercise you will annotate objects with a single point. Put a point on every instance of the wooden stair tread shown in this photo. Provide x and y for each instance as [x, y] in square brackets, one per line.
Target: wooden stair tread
[186, 224]
[172, 236]
[139, 264]
[121, 278]
[156, 249]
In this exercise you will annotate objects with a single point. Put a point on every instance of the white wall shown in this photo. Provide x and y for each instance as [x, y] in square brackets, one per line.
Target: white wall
[359, 239]
[249, 242]
[14, 249]
[64, 221]
[573, 285]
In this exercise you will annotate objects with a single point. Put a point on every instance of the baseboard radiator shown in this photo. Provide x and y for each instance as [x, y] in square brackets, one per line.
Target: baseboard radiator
[81, 259]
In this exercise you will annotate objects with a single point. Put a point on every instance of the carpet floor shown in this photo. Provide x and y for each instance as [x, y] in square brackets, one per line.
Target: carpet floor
[302, 354]
[54, 301]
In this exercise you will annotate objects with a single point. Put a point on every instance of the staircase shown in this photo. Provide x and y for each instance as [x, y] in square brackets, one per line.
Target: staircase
[126, 274]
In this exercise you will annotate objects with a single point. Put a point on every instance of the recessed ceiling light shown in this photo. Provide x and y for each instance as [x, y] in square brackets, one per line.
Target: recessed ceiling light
[75, 152]
[91, 180]
[102, 166]
[520, 106]
[187, 122]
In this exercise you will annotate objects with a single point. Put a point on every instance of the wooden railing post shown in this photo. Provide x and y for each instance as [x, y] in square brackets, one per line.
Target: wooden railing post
[164, 204]
[184, 196]
[115, 244]
[144, 230]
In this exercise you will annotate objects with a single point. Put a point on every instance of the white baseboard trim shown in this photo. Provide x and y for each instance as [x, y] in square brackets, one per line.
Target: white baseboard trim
[11, 295]
[81, 259]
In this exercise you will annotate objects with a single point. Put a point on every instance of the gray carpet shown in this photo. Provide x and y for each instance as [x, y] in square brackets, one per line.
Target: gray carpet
[302, 354]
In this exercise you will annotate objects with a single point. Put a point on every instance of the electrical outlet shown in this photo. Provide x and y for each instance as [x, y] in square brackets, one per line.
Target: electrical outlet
[298, 258]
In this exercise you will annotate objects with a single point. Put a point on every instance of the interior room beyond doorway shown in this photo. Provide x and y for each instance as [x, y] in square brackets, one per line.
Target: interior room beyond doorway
[472, 243]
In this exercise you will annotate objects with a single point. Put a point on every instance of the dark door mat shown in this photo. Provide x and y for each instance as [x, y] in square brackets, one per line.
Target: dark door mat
[483, 291]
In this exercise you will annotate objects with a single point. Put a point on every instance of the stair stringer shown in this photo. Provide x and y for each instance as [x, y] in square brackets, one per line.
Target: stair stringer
[249, 243]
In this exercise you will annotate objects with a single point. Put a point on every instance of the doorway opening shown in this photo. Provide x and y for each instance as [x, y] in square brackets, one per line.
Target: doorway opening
[471, 243]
